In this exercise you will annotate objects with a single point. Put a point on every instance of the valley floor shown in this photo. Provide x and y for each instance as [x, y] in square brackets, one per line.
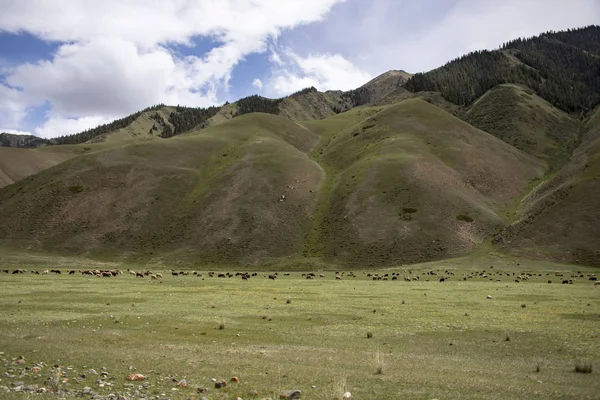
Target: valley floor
[376, 339]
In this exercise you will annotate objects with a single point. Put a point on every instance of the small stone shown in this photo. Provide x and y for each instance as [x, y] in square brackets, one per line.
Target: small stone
[220, 384]
[36, 369]
[182, 383]
[347, 395]
[488, 297]
[314, 386]
[201, 390]
[235, 379]
[92, 372]
[135, 377]
[86, 390]
[290, 394]
[18, 383]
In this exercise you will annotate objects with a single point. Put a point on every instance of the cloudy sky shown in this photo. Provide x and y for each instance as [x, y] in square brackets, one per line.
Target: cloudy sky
[69, 65]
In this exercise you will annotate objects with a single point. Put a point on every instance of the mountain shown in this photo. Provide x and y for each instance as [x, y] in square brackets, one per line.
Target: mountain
[244, 190]
[168, 121]
[495, 150]
[560, 218]
[521, 118]
[402, 183]
[563, 68]
[22, 141]
[410, 182]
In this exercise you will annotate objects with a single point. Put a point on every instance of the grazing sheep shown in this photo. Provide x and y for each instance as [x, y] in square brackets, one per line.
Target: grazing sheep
[153, 276]
[159, 275]
[337, 277]
[133, 273]
[273, 277]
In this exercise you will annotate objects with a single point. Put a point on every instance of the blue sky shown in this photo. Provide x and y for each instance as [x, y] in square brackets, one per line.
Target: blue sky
[70, 65]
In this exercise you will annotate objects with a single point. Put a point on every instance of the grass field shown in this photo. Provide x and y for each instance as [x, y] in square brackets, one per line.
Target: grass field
[430, 340]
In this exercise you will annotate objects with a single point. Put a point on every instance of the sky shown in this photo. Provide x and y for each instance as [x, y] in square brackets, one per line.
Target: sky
[71, 65]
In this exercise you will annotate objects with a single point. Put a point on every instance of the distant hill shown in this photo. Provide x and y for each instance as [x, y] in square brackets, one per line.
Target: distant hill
[22, 141]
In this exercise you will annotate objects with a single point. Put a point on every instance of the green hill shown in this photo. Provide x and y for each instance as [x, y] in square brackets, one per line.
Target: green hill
[519, 117]
[18, 163]
[410, 183]
[215, 195]
[560, 219]
[402, 183]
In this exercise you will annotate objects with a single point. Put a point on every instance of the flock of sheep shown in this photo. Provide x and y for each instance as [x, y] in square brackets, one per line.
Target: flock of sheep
[407, 276]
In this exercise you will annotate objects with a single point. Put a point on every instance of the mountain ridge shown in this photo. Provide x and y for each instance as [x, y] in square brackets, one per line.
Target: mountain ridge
[384, 174]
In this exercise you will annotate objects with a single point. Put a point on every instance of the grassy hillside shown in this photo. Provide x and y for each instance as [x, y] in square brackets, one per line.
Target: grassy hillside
[519, 117]
[211, 196]
[147, 126]
[411, 182]
[560, 219]
[376, 185]
[16, 163]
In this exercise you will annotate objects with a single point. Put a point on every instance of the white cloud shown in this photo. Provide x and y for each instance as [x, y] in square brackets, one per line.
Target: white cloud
[257, 83]
[13, 107]
[323, 71]
[115, 56]
[380, 35]
[58, 125]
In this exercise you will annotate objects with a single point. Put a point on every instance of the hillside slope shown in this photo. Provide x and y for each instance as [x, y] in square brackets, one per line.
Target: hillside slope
[560, 219]
[16, 163]
[524, 120]
[242, 191]
[410, 183]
